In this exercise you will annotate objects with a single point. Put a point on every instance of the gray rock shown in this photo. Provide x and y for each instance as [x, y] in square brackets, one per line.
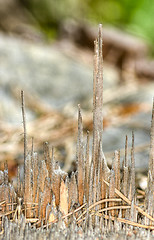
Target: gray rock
[114, 139]
[40, 70]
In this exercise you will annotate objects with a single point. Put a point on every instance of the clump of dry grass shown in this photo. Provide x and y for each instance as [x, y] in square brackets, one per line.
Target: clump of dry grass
[92, 196]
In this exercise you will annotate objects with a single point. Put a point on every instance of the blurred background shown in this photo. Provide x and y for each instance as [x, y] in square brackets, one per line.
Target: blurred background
[48, 16]
[46, 49]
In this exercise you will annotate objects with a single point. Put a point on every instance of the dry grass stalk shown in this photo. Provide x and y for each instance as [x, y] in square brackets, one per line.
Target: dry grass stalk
[80, 158]
[111, 190]
[149, 201]
[97, 98]
[132, 172]
[125, 170]
[92, 193]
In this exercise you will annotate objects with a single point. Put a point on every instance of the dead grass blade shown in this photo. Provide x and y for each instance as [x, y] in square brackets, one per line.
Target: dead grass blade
[129, 202]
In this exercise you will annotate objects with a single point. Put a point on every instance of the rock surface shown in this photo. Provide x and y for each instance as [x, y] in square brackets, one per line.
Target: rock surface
[40, 70]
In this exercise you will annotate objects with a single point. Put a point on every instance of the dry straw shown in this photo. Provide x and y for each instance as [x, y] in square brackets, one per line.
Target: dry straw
[91, 193]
